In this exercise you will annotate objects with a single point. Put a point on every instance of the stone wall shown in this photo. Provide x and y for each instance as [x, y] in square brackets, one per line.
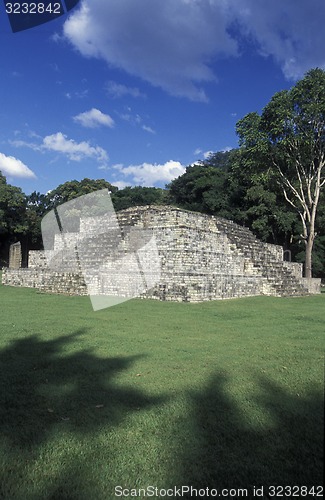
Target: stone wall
[37, 259]
[45, 280]
[201, 258]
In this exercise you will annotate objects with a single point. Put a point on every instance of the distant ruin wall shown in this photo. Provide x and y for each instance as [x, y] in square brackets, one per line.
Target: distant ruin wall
[201, 258]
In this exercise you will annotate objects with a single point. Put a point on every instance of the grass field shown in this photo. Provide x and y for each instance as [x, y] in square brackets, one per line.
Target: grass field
[226, 395]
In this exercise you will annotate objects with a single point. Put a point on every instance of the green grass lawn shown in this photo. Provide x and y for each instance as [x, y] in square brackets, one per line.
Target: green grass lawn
[225, 394]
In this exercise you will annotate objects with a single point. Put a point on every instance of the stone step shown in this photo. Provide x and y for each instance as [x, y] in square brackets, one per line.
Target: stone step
[261, 258]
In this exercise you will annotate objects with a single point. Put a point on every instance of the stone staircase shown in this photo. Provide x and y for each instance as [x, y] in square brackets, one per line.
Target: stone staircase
[264, 259]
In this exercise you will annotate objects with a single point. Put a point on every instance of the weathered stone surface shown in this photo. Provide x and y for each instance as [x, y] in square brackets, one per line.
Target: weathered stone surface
[15, 256]
[201, 258]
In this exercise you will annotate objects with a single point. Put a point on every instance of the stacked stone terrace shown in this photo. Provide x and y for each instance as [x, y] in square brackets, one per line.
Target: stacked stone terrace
[201, 258]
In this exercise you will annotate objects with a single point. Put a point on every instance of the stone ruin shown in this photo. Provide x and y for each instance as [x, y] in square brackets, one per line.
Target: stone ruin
[15, 256]
[202, 258]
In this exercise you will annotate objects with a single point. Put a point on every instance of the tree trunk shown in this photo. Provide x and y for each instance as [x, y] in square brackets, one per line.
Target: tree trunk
[308, 258]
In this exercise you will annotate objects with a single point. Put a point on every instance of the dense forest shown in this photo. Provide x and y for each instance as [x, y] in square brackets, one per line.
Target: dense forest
[272, 183]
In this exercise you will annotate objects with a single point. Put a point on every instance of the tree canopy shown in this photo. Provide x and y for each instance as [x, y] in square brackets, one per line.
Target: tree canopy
[202, 187]
[72, 189]
[138, 195]
[288, 140]
[13, 222]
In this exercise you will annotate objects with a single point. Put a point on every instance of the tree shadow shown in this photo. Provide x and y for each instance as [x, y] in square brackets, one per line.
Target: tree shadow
[45, 388]
[230, 451]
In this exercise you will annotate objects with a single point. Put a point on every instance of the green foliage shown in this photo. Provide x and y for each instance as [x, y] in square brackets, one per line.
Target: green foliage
[138, 195]
[257, 199]
[203, 187]
[13, 223]
[37, 206]
[12, 209]
[73, 189]
[294, 125]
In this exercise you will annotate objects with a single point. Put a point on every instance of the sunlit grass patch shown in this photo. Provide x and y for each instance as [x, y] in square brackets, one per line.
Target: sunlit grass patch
[219, 394]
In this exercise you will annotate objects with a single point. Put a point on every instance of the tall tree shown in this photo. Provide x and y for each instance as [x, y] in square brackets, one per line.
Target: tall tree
[257, 201]
[72, 189]
[289, 137]
[37, 206]
[13, 225]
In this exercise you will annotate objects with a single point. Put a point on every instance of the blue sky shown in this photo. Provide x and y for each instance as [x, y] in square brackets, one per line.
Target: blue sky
[134, 91]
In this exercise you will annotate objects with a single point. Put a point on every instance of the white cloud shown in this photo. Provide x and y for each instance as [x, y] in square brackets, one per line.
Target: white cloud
[291, 31]
[177, 49]
[54, 67]
[206, 154]
[57, 38]
[79, 94]
[121, 184]
[148, 174]
[171, 51]
[24, 144]
[75, 151]
[117, 90]
[134, 120]
[94, 118]
[148, 129]
[9, 165]
[118, 166]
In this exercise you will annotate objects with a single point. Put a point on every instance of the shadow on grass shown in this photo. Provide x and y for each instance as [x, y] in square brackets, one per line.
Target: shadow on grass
[46, 388]
[234, 450]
